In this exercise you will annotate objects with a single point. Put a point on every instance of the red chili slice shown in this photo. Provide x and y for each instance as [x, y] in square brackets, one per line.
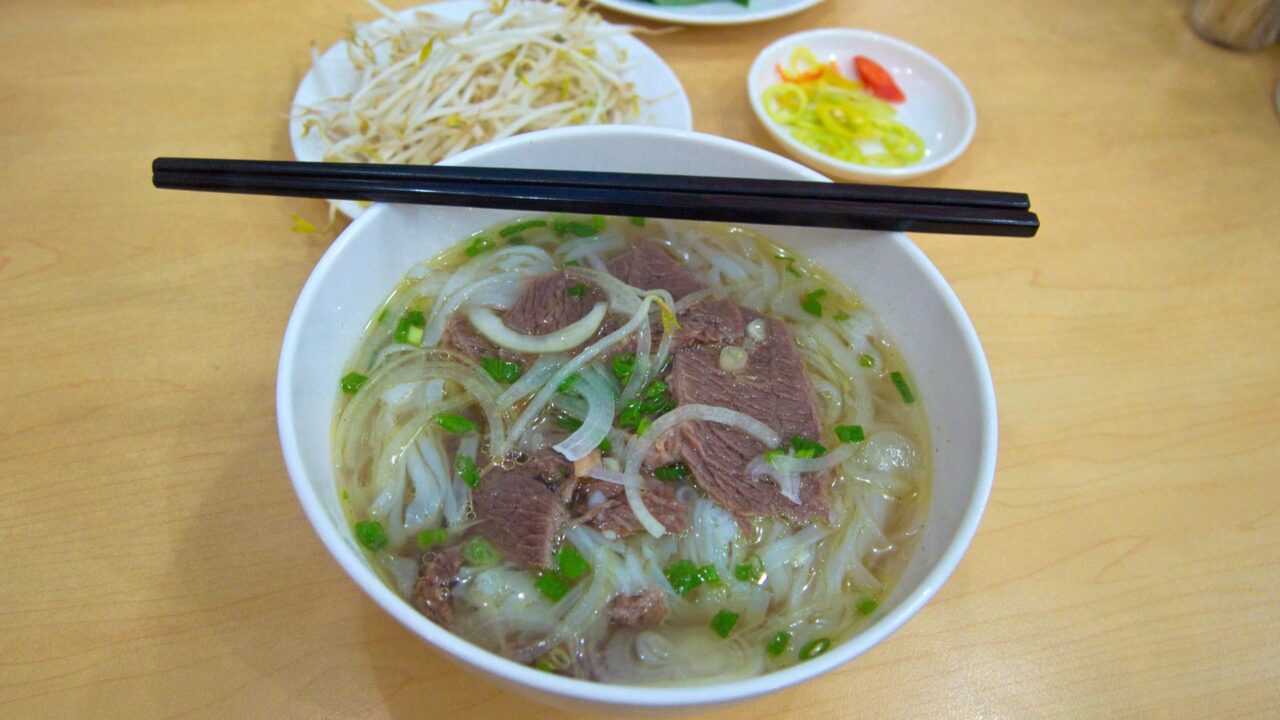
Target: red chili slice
[877, 79]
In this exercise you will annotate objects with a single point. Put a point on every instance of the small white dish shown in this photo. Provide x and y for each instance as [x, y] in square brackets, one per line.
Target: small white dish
[716, 12]
[666, 104]
[937, 105]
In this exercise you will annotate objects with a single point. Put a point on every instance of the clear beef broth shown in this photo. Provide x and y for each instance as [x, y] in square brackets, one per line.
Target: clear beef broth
[779, 461]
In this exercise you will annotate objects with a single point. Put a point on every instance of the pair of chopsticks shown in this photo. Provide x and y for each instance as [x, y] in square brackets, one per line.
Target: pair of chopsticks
[681, 197]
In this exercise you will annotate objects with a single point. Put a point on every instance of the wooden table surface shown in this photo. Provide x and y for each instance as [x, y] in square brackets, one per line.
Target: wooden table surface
[155, 562]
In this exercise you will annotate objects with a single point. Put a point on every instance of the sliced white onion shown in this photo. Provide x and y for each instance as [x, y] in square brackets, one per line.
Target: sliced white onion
[598, 420]
[535, 377]
[539, 401]
[446, 305]
[787, 471]
[566, 338]
[708, 413]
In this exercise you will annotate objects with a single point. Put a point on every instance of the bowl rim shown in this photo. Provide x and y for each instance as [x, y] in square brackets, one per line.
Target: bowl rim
[638, 696]
[952, 84]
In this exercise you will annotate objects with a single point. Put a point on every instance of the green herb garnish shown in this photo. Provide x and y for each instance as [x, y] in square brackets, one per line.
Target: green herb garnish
[722, 624]
[567, 384]
[904, 389]
[675, 471]
[778, 644]
[576, 292]
[571, 564]
[519, 227]
[411, 328]
[709, 575]
[478, 246]
[431, 538]
[866, 606]
[478, 551]
[812, 302]
[850, 433]
[454, 423]
[504, 371]
[814, 648]
[552, 586]
[371, 535]
[623, 366]
[751, 571]
[466, 469]
[683, 576]
[807, 448]
[573, 227]
[351, 382]
[866, 361]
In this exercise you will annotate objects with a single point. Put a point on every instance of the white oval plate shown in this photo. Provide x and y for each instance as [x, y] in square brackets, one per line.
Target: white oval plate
[716, 12]
[664, 102]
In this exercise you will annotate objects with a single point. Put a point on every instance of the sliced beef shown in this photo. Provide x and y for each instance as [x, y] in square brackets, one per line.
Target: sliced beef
[604, 505]
[647, 265]
[461, 335]
[773, 388]
[519, 511]
[644, 609]
[435, 579]
[545, 303]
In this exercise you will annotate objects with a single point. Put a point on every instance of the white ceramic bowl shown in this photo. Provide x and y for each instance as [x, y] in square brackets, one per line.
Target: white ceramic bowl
[938, 106]
[917, 307]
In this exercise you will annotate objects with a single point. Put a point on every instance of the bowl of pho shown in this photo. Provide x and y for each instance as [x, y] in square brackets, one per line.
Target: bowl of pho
[626, 463]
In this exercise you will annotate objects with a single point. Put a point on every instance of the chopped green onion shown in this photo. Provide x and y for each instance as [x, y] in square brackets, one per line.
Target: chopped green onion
[519, 227]
[504, 371]
[517, 240]
[630, 416]
[866, 361]
[576, 292]
[371, 535]
[454, 423]
[573, 227]
[597, 222]
[809, 448]
[345, 494]
[722, 624]
[841, 316]
[568, 423]
[683, 576]
[411, 327]
[778, 644]
[903, 388]
[544, 664]
[866, 606]
[624, 365]
[431, 538]
[655, 389]
[643, 425]
[637, 221]
[770, 455]
[552, 586]
[850, 433]
[570, 563]
[351, 382]
[479, 551]
[709, 574]
[572, 263]
[791, 268]
[479, 246]
[567, 384]
[466, 469]
[811, 302]
[751, 571]
[675, 471]
[814, 648]
[382, 316]
[657, 406]
[605, 445]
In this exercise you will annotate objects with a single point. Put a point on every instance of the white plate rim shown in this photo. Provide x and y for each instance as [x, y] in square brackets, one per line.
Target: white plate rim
[691, 14]
[676, 114]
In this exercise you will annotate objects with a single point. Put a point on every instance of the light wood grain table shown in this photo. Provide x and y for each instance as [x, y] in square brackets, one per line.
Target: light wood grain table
[155, 563]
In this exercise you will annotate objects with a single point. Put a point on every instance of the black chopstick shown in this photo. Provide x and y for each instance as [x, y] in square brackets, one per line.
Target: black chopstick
[538, 190]
[576, 178]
